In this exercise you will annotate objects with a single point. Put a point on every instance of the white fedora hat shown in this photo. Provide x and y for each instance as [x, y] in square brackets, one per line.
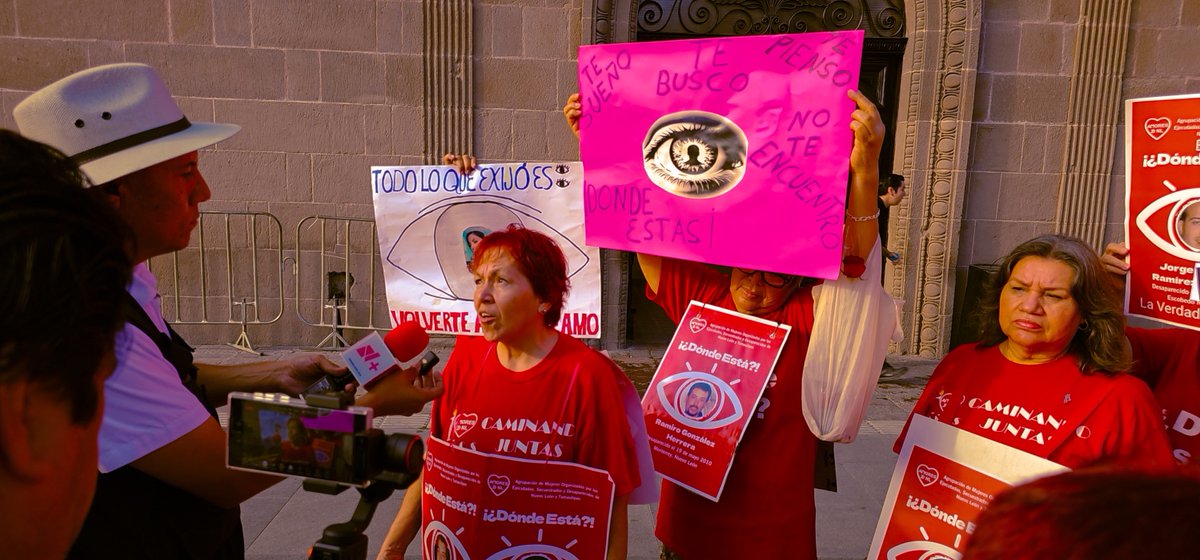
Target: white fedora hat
[114, 120]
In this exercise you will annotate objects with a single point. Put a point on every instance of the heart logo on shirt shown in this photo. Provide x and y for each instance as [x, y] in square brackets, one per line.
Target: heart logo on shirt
[1157, 128]
[463, 424]
[697, 324]
[927, 475]
[498, 484]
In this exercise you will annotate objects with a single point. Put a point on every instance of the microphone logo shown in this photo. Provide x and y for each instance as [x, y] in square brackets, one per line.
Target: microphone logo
[369, 354]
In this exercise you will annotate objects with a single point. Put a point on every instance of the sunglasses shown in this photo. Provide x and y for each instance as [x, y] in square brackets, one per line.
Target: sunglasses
[770, 278]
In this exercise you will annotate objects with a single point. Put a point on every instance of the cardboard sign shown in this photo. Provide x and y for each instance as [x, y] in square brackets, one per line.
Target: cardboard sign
[730, 151]
[943, 480]
[706, 391]
[430, 218]
[477, 505]
[1162, 208]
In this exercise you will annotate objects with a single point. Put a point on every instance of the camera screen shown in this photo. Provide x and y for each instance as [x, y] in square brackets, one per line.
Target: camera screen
[297, 440]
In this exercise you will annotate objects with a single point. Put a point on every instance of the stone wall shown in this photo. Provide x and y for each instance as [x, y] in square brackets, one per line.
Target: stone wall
[325, 89]
[322, 90]
[1046, 130]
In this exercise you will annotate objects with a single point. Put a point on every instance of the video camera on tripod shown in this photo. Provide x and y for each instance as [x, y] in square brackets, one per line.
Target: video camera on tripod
[330, 443]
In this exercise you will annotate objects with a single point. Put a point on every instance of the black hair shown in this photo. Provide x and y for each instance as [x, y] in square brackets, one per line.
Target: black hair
[890, 181]
[64, 266]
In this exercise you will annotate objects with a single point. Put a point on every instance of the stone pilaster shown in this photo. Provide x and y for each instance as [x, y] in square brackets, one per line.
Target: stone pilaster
[448, 70]
[1093, 111]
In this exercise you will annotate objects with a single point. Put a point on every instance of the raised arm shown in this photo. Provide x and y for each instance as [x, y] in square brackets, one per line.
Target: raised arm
[861, 234]
[1114, 261]
[651, 268]
[572, 111]
[464, 163]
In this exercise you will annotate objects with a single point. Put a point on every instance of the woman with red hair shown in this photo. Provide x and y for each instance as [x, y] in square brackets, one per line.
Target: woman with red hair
[524, 368]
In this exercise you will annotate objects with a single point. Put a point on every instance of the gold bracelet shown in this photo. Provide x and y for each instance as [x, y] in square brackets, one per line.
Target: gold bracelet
[854, 218]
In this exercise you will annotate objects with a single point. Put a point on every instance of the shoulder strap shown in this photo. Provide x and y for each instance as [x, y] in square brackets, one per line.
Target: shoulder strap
[172, 347]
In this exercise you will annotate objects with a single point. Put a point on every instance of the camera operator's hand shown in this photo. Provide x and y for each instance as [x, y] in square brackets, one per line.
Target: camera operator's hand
[302, 370]
[290, 374]
[403, 392]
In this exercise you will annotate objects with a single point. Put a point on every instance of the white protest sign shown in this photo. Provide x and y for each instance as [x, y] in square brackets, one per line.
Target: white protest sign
[430, 217]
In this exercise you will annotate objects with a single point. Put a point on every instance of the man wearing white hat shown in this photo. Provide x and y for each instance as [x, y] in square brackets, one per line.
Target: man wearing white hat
[164, 491]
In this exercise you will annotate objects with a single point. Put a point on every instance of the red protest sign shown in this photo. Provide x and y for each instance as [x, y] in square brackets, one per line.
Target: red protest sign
[1162, 208]
[479, 505]
[943, 480]
[705, 393]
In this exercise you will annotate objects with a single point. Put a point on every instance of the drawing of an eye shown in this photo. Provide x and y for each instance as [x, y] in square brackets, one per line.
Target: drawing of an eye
[533, 552]
[923, 550]
[562, 169]
[1181, 206]
[695, 154]
[563, 183]
[699, 400]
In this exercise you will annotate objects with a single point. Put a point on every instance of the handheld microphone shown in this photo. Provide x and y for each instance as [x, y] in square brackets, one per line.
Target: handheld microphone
[374, 356]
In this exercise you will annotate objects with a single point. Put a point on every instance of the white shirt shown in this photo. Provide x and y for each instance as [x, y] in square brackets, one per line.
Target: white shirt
[146, 406]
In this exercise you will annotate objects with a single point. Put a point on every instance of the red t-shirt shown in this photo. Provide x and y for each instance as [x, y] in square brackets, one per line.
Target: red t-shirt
[1169, 361]
[1051, 410]
[566, 408]
[767, 508]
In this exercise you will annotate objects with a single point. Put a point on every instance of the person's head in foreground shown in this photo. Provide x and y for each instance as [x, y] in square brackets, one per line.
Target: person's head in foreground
[520, 285]
[1092, 515]
[1189, 225]
[757, 292]
[64, 264]
[120, 124]
[697, 399]
[1051, 297]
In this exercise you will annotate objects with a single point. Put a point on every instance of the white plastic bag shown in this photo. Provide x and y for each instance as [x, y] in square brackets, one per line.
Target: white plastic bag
[853, 319]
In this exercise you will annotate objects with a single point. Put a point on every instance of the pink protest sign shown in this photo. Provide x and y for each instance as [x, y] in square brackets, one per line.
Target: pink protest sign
[730, 151]
[706, 391]
[491, 507]
[1162, 208]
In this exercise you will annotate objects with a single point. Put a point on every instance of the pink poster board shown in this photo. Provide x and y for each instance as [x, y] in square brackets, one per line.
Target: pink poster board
[729, 151]
[706, 391]
[491, 507]
[1162, 208]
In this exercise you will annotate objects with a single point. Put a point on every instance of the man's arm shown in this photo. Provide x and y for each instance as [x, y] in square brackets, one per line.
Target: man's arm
[195, 463]
[289, 375]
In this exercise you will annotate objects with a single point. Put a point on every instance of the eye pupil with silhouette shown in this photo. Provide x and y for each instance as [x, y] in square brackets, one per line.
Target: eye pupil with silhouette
[695, 154]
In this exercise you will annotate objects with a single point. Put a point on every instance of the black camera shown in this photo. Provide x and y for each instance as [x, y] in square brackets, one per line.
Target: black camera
[333, 446]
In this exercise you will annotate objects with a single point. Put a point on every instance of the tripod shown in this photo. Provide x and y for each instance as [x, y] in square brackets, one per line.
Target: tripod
[346, 541]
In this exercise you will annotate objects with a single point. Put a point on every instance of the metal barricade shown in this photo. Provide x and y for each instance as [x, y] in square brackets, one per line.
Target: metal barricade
[333, 258]
[232, 275]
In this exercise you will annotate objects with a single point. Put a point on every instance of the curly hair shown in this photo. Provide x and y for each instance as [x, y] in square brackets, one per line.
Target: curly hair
[64, 267]
[1099, 344]
[539, 258]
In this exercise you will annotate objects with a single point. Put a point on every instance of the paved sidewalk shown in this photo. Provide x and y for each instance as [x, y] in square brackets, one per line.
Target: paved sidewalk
[284, 521]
